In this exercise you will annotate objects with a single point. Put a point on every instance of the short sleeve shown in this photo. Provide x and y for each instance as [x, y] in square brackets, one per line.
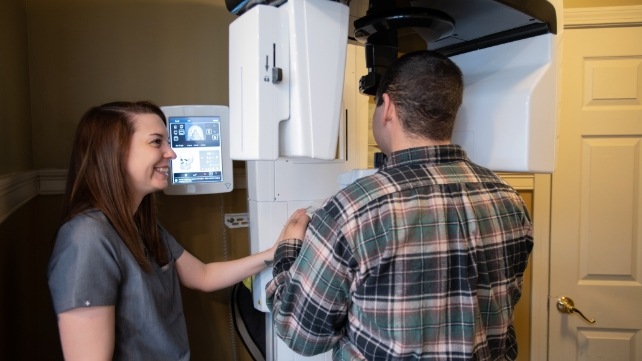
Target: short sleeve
[175, 248]
[84, 267]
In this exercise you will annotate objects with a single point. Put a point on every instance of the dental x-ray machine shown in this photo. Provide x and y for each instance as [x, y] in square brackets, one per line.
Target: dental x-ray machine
[287, 61]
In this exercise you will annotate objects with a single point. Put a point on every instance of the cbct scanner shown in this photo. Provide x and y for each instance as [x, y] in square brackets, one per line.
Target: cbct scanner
[287, 62]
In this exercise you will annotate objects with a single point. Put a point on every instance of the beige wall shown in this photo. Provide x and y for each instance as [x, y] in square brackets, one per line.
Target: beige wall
[87, 52]
[15, 152]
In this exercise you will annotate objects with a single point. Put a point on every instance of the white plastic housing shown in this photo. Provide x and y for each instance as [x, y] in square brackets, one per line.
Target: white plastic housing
[278, 188]
[507, 121]
[258, 46]
[295, 115]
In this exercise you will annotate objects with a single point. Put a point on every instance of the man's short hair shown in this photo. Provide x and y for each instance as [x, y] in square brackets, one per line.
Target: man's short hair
[426, 88]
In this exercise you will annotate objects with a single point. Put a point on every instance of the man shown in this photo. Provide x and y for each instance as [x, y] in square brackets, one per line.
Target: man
[423, 259]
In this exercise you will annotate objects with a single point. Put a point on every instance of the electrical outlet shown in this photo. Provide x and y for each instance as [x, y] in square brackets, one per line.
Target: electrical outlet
[237, 220]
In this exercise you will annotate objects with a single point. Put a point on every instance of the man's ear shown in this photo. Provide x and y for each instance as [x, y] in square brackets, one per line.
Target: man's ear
[389, 109]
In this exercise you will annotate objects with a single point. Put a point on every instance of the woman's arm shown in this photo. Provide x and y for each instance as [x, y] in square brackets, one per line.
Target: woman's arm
[217, 275]
[87, 333]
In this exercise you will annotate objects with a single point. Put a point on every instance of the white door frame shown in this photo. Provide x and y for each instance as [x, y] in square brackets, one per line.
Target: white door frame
[574, 18]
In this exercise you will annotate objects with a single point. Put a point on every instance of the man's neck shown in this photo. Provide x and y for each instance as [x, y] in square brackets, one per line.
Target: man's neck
[415, 142]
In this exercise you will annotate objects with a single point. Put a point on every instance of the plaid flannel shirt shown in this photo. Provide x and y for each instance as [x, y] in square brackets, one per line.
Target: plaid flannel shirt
[422, 260]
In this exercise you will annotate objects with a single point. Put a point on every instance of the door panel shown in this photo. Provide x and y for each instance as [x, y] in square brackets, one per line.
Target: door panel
[603, 160]
[596, 224]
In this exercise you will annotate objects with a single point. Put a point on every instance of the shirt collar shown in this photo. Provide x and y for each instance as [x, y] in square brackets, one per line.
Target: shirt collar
[430, 154]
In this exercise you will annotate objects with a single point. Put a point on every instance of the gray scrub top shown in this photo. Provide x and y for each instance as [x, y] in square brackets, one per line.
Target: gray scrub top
[91, 266]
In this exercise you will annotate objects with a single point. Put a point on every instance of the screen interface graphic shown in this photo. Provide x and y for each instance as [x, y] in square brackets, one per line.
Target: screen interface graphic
[197, 143]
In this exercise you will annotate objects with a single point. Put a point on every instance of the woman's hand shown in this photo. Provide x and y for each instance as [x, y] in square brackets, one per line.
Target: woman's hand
[295, 228]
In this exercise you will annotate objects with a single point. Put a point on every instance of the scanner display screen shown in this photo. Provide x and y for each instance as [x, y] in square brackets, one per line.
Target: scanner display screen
[197, 143]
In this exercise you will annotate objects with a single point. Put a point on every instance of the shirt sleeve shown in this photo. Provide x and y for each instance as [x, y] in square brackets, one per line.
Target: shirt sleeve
[84, 267]
[309, 301]
[175, 248]
[284, 257]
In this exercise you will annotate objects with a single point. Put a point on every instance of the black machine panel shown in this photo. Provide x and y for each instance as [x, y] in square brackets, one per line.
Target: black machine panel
[475, 23]
[452, 27]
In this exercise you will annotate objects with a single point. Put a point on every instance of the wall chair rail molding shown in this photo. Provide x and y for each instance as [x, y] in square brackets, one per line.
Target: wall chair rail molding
[17, 189]
[603, 17]
[519, 181]
[52, 181]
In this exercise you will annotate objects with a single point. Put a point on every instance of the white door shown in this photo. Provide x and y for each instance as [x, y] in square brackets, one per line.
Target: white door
[596, 216]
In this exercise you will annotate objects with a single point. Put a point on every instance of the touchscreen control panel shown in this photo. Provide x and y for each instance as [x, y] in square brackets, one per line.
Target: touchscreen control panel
[199, 135]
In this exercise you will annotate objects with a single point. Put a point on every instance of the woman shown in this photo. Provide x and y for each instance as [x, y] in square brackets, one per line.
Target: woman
[114, 272]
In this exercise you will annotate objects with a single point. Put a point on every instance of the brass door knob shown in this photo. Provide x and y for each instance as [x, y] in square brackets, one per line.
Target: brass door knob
[566, 305]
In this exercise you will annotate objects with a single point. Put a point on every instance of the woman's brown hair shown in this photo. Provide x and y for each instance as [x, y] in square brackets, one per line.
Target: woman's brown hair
[98, 177]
